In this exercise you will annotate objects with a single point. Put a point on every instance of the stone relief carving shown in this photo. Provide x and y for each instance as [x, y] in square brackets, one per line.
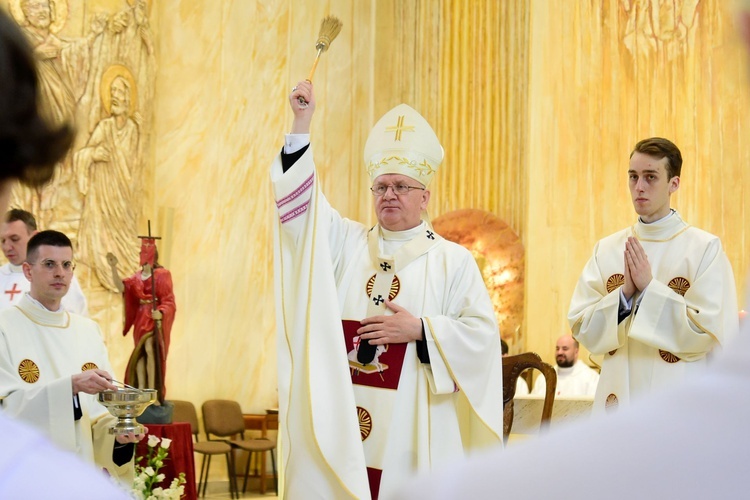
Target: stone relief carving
[108, 168]
[658, 26]
[103, 82]
[63, 64]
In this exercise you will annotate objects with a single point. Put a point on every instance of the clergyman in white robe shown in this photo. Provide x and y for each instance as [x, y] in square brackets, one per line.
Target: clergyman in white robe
[13, 284]
[578, 380]
[39, 351]
[349, 426]
[688, 309]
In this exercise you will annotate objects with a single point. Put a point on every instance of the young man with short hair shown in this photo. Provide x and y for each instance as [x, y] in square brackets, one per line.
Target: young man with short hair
[54, 363]
[18, 228]
[656, 298]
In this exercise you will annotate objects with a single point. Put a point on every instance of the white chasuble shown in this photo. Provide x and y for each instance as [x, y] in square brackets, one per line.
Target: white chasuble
[39, 352]
[343, 422]
[688, 309]
[575, 381]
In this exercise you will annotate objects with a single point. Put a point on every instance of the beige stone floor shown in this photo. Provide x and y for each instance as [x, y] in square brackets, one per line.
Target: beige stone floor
[220, 489]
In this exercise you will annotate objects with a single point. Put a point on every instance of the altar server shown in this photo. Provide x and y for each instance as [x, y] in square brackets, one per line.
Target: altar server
[655, 298]
[18, 228]
[54, 363]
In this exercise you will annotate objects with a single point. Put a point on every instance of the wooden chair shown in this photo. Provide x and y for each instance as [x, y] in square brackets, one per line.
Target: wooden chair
[512, 368]
[223, 418]
[184, 411]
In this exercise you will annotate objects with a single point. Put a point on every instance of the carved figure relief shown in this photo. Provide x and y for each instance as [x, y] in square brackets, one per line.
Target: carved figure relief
[658, 26]
[108, 168]
[64, 65]
[102, 83]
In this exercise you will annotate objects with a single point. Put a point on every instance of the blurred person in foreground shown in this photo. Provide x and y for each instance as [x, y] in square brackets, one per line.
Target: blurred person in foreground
[30, 466]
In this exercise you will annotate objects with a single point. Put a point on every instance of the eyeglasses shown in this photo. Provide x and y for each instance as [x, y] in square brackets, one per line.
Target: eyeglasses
[399, 189]
[50, 265]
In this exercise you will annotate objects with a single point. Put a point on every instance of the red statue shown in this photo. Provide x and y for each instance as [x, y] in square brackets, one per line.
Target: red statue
[149, 319]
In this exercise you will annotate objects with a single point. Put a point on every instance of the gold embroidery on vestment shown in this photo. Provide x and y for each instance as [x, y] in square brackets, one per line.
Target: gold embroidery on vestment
[395, 287]
[679, 285]
[615, 281]
[365, 422]
[29, 371]
[668, 356]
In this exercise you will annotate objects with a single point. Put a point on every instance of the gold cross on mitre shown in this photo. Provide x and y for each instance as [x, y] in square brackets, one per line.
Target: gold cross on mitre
[400, 127]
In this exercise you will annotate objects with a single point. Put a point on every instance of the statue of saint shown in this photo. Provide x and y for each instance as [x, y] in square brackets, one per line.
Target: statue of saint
[149, 311]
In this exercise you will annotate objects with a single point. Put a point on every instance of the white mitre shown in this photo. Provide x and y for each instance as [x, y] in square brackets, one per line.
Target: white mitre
[402, 142]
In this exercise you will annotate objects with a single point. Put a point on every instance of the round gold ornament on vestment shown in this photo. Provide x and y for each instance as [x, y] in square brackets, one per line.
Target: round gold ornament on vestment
[610, 404]
[395, 287]
[668, 356]
[29, 371]
[679, 285]
[365, 422]
[615, 281]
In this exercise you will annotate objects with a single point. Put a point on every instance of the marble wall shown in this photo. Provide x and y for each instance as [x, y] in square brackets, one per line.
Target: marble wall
[537, 104]
[604, 75]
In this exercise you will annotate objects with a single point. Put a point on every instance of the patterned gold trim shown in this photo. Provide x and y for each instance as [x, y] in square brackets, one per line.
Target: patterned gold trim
[365, 422]
[28, 371]
[424, 169]
[679, 285]
[615, 281]
[89, 366]
[395, 287]
[668, 356]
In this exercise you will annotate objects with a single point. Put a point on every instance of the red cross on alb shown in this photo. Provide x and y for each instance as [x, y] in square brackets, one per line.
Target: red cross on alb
[13, 291]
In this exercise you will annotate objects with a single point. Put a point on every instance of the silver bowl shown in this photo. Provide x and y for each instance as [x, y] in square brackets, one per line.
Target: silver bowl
[127, 404]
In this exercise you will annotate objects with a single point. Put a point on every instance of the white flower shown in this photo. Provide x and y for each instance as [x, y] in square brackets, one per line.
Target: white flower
[152, 440]
[145, 484]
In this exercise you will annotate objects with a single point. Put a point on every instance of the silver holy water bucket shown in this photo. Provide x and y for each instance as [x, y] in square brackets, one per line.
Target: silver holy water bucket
[126, 404]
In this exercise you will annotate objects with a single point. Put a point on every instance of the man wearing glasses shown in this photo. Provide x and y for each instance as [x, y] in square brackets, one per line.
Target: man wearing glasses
[18, 228]
[389, 356]
[53, 363]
